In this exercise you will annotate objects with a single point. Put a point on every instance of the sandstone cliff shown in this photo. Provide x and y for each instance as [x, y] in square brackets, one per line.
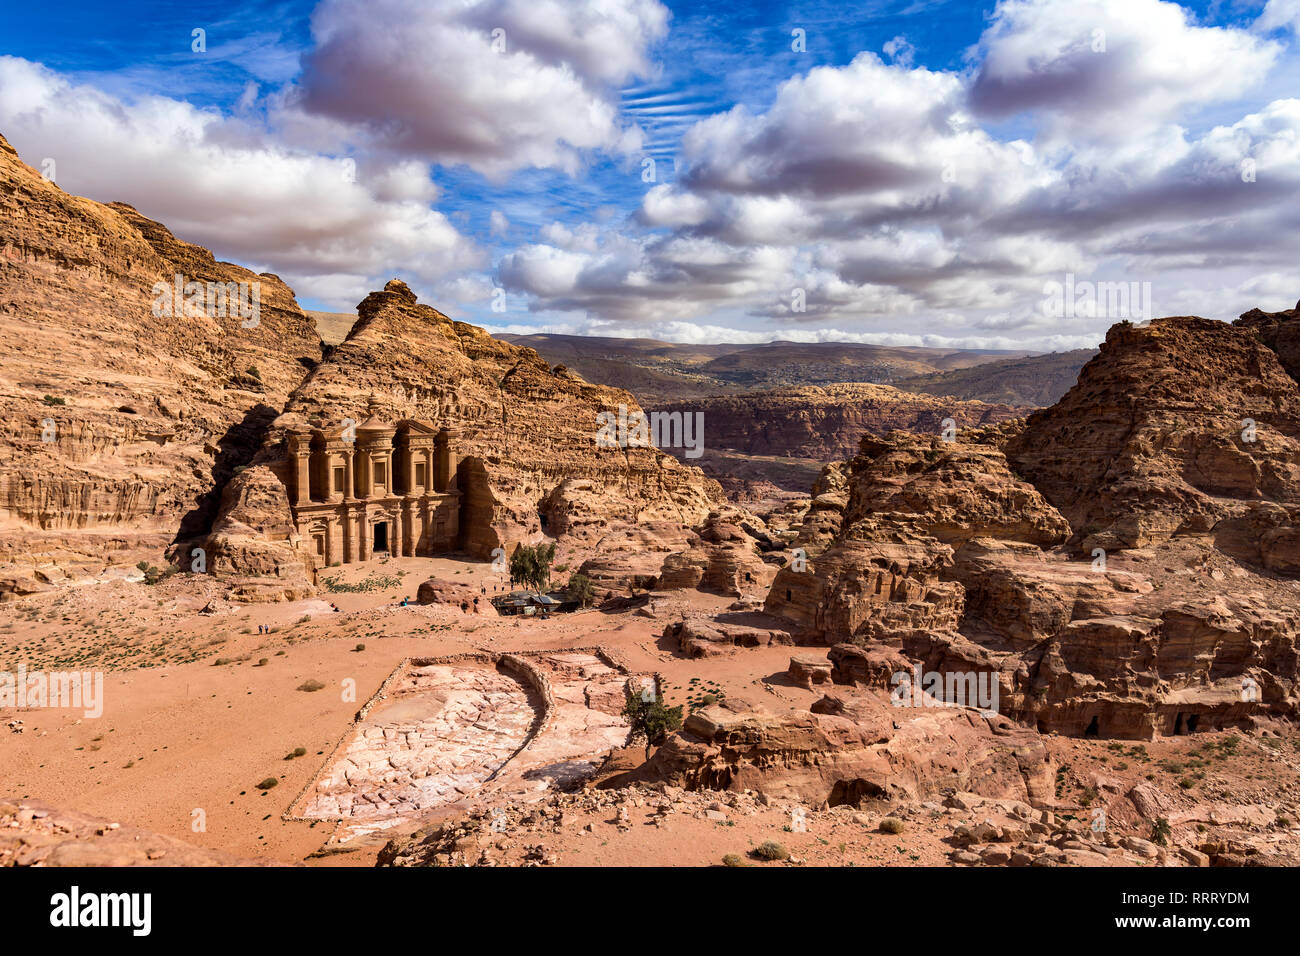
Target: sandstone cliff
[1183, 425]
[825, 422]
[524, 438]
[1117, 562]
[121, 427]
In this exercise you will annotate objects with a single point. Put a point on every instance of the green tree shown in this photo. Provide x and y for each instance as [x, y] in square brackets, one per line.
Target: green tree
[581, 590]
[531, 565]
[651, 719]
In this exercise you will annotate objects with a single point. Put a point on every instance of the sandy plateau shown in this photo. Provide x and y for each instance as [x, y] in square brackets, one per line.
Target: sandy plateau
[439, 755]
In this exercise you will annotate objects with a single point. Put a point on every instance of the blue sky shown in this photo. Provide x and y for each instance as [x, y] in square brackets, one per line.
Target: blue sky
[915, 175]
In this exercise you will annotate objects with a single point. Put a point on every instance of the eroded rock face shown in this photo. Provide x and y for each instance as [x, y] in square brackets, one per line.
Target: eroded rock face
[945, 559]
[726, 556]
[701, 636]
[867, 751]
[121, 427]
[826, 422]
[463, 596]
[525, 434]
[1174, 428]
[908, 501]
[1280, 331]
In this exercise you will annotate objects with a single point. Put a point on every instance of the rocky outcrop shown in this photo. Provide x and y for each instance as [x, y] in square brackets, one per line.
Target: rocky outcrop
[907, 502]
[524, 434]
[725, 556]
[463, 596]
[809, 669]
[703, 636]
[121, 424]
[1280, 331]
[941, 557]
[879, 752]
[1174, 428]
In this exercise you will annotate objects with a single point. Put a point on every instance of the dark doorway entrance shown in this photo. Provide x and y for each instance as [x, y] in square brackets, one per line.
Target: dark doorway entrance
[381, 536]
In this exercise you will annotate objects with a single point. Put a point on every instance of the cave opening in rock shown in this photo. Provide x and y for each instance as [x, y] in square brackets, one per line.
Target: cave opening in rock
[1192, 720]
[1178, 725]
[853, 792]
[1093, 728]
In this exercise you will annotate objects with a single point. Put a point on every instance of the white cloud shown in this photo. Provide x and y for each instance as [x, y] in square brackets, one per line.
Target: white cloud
[328, 227]
[875, 189]
[1105, 69]
[498, 85]
[1280, 14]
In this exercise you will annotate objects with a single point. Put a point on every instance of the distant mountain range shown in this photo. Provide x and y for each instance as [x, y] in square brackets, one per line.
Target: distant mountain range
[662, 372]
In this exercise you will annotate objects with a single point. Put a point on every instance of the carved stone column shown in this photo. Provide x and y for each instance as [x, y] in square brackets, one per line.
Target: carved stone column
[300, 448]
[349, 535]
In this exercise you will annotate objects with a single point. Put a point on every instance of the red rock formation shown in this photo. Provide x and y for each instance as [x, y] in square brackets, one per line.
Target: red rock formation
[877, 753]
[1174, 428]
[147, 417]
[937, 554]
[524, 437]
[725, 556]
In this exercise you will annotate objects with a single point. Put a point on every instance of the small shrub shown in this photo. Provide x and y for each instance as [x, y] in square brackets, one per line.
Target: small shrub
[1160, 832]
[359, 648]
[311, 686]
[733, 859]
[268, 783]
[54, 400]
[771, 850]
[891, 825]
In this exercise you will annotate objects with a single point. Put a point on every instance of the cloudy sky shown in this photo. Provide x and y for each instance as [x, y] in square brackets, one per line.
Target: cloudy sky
[916, 172]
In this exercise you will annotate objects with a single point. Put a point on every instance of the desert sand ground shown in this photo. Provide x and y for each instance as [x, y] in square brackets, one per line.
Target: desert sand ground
[200, 707]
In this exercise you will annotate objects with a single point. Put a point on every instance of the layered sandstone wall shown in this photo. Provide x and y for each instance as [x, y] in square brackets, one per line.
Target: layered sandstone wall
[959, 558]
[1174, 428]
[524, 442]
[118, 422]
[826, 422]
